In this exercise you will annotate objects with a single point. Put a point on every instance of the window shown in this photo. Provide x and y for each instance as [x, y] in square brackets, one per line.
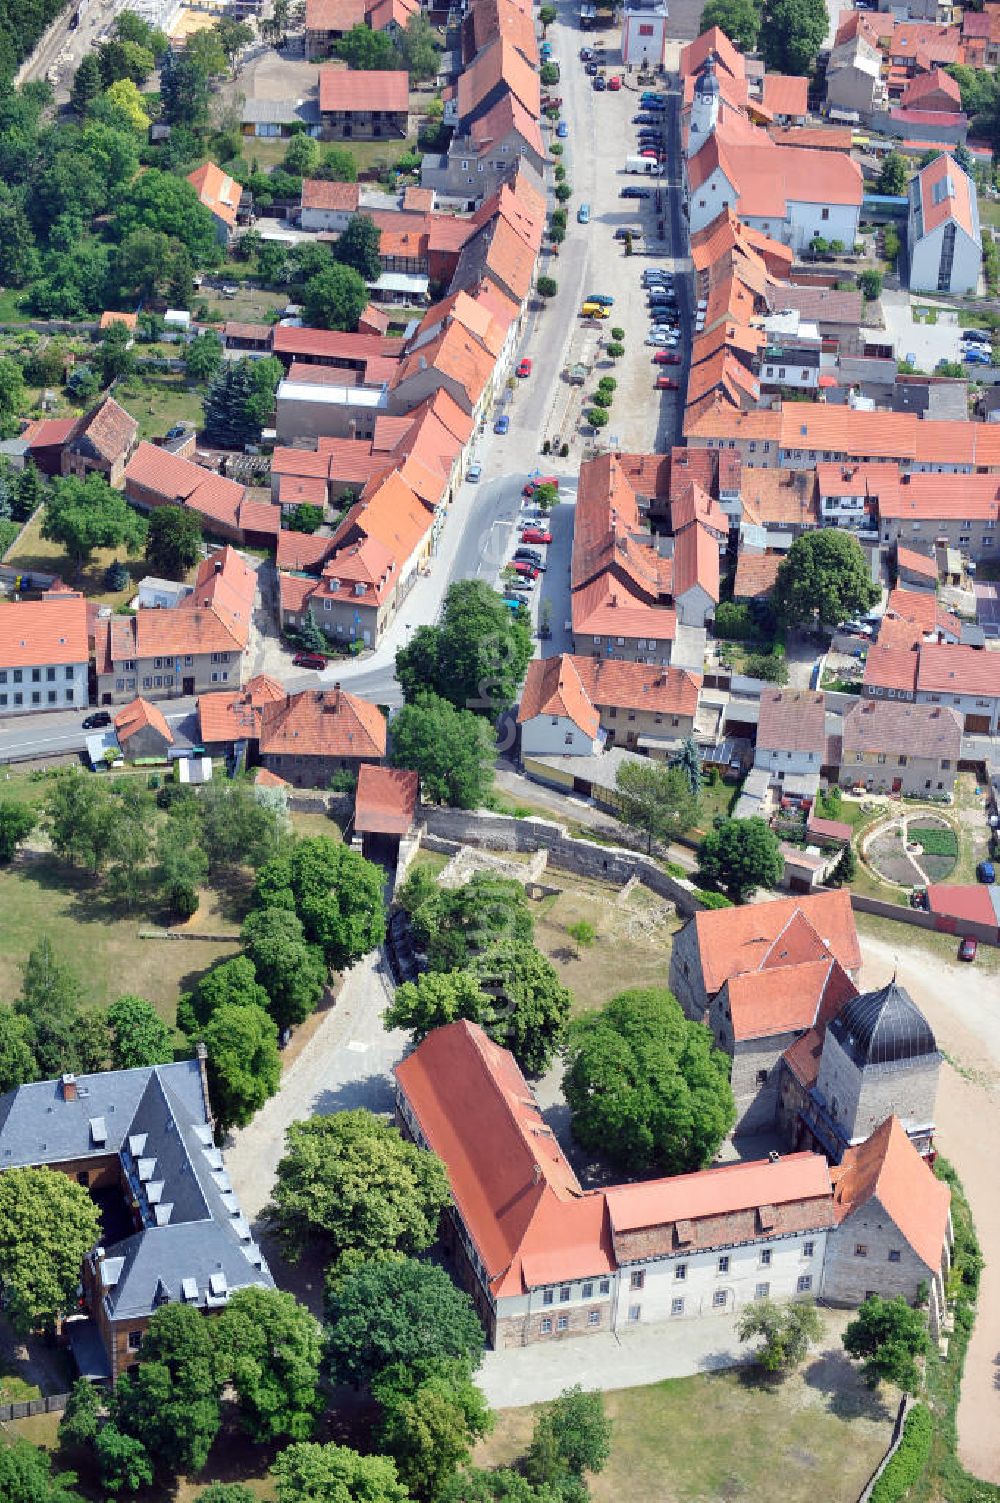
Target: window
[860, 1250]
[681, 1272]
[762, 1077]
[805, 1283]
[807, 1249]
[18, 676]
[634, 1313]
[762, 1291]
[50, 675]
[605, 1286]
[719, 1298]
[765, 1257]
[902, 761]
[545, 1326]
[638, 1279]
[588, 1291]
[564, 1294]
[824, 214]
[594, 1318]
[677, 1307]
[52, 696]
[36, 675]
[562, 1323]
[548, 1296]
[36, 699]
[895, 1255]
[134, 1340]
[67, 673]
[83, 1178]
[723, 1264]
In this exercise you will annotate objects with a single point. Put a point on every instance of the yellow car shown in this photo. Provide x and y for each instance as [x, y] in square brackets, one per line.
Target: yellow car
[594, 310]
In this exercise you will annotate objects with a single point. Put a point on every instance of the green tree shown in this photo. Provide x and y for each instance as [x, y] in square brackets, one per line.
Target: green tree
[352, 1184]
[234, 37]
[870, 282]
[739, 19]
[888, 1336]
[546, 16]
[239, 402]
[48, 1224]
[26, 1473]
[122, 103]
[305, 518]
[291, 971]
[302, 155]
[358, 247]
[81, 1419]
[655, 799]
[453, 750]
[572, 1435]
[846, 869]
[244, 1066]
[203, 356]
[87, 84]
[231, 983]
[475, 657]
[397, 1312]
[171, 1401]
[180, 286]
[335, 892]
[792, 34]
[227, 1492]
[335, 298]
[181, 863]
[311, 1473]
[429, 1426]
[204, 49]
[435, 999]
[49, 1003]
[688, 759]
[17, 820]
[420, 49]
[269, 1347]
[122, 1461]
[17, 1058]
[11, 388]
[141, 262]
[84, 515]
[823, 577]
[893, 176]
[741, 855]
[455, 925]
[78, 814]
[124, 59]
[529, 1005]
[338, 165]
[367, 50]
[787, 1332]
[18, 254]
[160, 201]
[237, 829]
[173, 543]
[139, 1035]
[647, 1087]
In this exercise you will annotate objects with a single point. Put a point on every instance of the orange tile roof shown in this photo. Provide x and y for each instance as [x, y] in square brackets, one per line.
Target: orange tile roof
[294, 592]
[921, 608]
[110, 317]
[820, 138]
[308, 490]
[179, 482]
[781, 931]
[803, 1057]
[915, 563]
[226, 582]
[920, 90]
[785, 95]
[500, 63]
[217, 191]
[105, 430]
[510, 260]
[235, 715]
[781, 498]
[264, 778]
[322, 723]
[362, 573]
[344, 89]
[612, 682]
[456, 354]
[888, 1169]
[696, 562]
[787, 999]
[958, 670]
[691, 503]
[317, 193]
[334, 15]
[41, 633]
[553, 687]
[891, 667]
[302, 550]
[719, 1192]
[332, 344]
[505, 18]
[712, 42]
[930, 497]
[507, 117]
[719, 420]
[723, 373]
[946, 193]
[756, 574]
[138, 716]
[385, 799]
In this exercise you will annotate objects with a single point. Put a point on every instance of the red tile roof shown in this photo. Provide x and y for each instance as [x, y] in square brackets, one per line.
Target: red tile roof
[885, 725]
[968, 902]
[612, 682]
[331, 344]
[385, 800]
[787, 998]
[112, 316]
[317, 193]
[783, 931]
[217, 191]
[792, 720]
[322, 723]
[334, 15]
[553, 687]
[920, 607]
[888, 1169]
[933, 86]
[500, 64]
[756, 574]
[179, 482]
[946, 192]
[696, 562]
[235, 715]
[344, 89]
[41, 633]
[719, 1192]
[786, 95]
[105, 431]
[958, 670]
[139, 716]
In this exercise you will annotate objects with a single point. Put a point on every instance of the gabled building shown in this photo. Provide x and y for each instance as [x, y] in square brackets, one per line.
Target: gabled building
[912, 750]
[945, 240]
[305, 738]
[791, 741]
[364, 106]
[142, 730]
[101, 442]
[556, 715]
[44, 655]
[221, 195]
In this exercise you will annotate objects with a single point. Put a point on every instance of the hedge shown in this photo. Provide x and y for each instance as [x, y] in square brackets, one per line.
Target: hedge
[712, 899]
[733, 621]
[907, 1465]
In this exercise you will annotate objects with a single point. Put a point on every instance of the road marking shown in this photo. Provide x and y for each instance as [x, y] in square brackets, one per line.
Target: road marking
[358, 1046]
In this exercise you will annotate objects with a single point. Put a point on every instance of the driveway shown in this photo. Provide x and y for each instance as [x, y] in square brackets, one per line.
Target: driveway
[925, 343]
[962, 1005]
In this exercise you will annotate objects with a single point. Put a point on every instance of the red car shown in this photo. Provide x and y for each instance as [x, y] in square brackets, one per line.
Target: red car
[308, 660]
[614, 84]
[666, 383]
[536, 535]
[652, 154]
[967, 949]
[532, 485]
[666, 357]
[524, 366]
[520, 566]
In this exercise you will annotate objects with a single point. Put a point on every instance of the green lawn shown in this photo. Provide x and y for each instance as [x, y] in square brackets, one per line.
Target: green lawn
[159, 401]
[33, 552]
[716, 798]
[814, 1437]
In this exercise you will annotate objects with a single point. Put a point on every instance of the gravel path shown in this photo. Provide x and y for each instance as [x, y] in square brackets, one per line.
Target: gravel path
[346, 1063]
[962, 1005]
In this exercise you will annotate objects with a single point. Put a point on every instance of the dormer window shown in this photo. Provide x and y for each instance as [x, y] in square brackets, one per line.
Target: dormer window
[359, 588]
[334, 586]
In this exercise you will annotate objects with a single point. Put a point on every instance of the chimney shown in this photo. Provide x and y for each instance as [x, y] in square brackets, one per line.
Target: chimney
[68, 1088]
[201, 1054]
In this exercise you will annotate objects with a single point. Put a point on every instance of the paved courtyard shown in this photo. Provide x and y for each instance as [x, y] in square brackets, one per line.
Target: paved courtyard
[923, 343]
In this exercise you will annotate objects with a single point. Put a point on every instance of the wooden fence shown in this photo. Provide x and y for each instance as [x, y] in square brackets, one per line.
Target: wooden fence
[53, 1403]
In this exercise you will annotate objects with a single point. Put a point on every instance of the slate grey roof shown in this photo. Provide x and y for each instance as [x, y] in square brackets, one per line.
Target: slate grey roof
[883, 1027]
[194, 1244]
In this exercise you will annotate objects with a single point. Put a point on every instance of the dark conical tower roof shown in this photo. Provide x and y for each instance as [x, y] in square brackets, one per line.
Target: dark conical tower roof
[883, 1027]
[706, 84]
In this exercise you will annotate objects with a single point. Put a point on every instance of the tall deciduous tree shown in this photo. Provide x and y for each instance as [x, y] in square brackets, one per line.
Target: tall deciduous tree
[455, 925]
[529, 1005]
[171, 1401]
[792, 34]
[139, 1035]
[358, 247]
[888, 1336]
[893, 175]
[397, 1312]
[291, 971]
[50, 1004]
[367, 50]
[237, 829]
[269, 1347]
[231, 983]
[84, 515]
[173, 545]
[87, 84]
[645, 1086]
[430, 1421]
[17, 820]
[26, 1472]
[655, 799]
[17, 1057]
[310, 1473]
[335, 892]
[351, 1183]
[419, 48]
[741, 855]
[739, 19]
[453, 750]
[572, 1435]
[203, 356]
[244, 1066]
[48, 1223]
[823, 577]
[786, 1332]
[475, 657]
[335, 298]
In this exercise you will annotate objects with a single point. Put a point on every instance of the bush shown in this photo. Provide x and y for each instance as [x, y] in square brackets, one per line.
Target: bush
[870, 282]
[616, 350]
[712, 899]
[773, 670]
[556, 149]
[547, 286]
[582, 932]
[184, 900]
[559, 172]
[563, 191]
[733, 621]
[890, 243]
[906, 1467]
[602, 399]
[607, 383]
[597, 417]
[618, 334]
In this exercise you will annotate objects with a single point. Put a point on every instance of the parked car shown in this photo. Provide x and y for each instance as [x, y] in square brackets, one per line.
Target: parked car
[562, 130]
[604, 298]
[624, 231]
[502, 423]
[98, 719]
[512, 602]
[178, 430]
[856, 629]
[614, 83]
[986, 872]
[651, 154]
[532, 485]
[529, 556]
[600, 84]
[585, 54]
[968, 947]
[635, 193]
[978, 336]
[550, 102]
[522, 566]
[536, 535]
[583, 214]
[667, 383]
[644, 119]
[308, 660]
[666, 357]
[474, 472]
[524, 367]
[662, 341]
[591, 68]
[976, 355]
